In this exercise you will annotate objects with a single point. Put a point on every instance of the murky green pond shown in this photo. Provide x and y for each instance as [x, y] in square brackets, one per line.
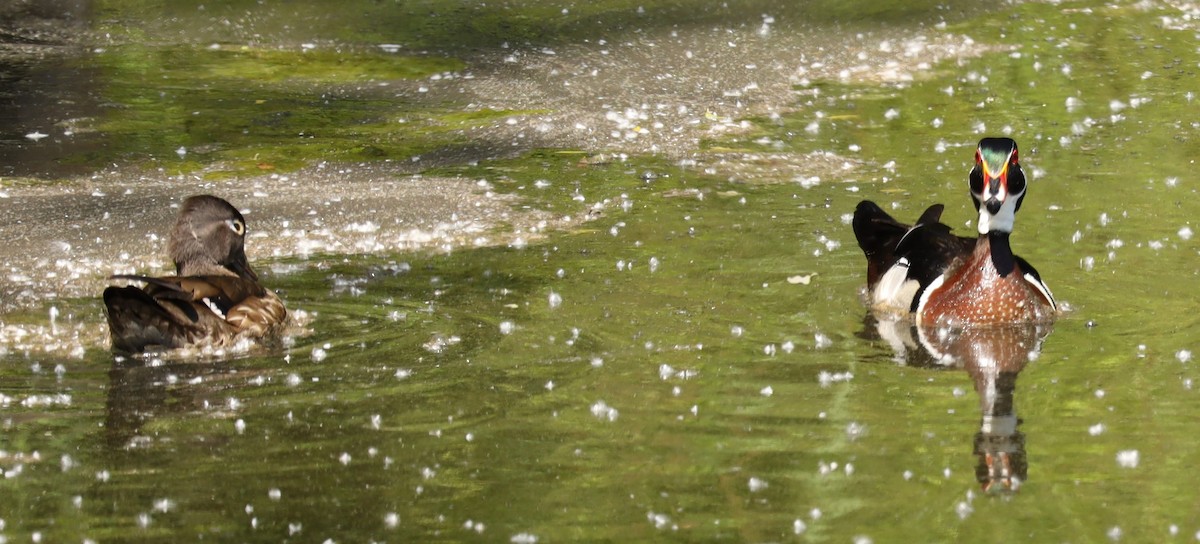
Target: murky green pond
[693, 363]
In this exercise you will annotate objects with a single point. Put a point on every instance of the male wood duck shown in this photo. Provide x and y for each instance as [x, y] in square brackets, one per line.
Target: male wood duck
[952, 280]
[214, 300]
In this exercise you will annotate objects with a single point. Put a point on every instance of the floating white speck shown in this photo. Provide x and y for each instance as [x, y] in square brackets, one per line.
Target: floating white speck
[653, 264]
[1183, 355]
[798, 526]
[855, 430]
[182, 152]
[1185, 233]
[767, 391]
[240, 425]
[1096, 430]
[555, 300]
[1114, 533]
[1099, 393]
[891, 114]
[524, 538]
[603, 411]
[391, 520]
[808, 182]
[36, 135]
[757, 485]
[164, 505]
[963, 509]
[507, 327]
[829, 243]
[660, 521]
[318, 355]
[1127, 458]
[737, 330]
[908, 474]
[366, 227]
[344, 458]
[826, 378]
[821, 341]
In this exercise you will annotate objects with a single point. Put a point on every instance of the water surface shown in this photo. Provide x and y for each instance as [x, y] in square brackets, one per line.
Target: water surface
[692, 362]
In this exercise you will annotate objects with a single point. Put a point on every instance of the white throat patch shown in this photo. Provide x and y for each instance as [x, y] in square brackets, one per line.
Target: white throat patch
[1002, 221]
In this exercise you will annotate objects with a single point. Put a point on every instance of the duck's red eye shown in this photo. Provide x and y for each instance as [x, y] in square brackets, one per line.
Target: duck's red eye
[978, 157]
[1014, 156]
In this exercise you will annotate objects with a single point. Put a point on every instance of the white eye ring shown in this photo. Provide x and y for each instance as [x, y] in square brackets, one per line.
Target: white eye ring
[236, 226]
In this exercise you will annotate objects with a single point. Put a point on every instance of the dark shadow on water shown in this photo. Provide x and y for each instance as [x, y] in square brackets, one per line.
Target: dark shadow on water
[48, 92]
[139, 393]
[993, 357]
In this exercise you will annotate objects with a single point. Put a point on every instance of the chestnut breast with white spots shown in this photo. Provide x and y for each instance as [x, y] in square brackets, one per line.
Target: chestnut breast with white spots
[972, 292]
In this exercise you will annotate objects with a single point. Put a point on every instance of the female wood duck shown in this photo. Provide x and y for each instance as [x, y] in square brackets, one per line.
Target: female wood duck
[214, 300]
[952, 280]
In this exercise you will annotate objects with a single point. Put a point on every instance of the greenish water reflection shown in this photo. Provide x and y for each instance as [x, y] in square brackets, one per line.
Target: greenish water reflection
[679, 386]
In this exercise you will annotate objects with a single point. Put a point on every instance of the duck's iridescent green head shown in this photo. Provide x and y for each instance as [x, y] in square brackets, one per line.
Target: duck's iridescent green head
[997, 184]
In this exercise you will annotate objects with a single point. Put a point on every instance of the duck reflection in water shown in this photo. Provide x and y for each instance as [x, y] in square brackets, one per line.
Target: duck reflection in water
[993, 357]
[139, 394]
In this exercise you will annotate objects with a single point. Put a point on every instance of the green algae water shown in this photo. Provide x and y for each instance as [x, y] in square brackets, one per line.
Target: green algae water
[692, 362]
